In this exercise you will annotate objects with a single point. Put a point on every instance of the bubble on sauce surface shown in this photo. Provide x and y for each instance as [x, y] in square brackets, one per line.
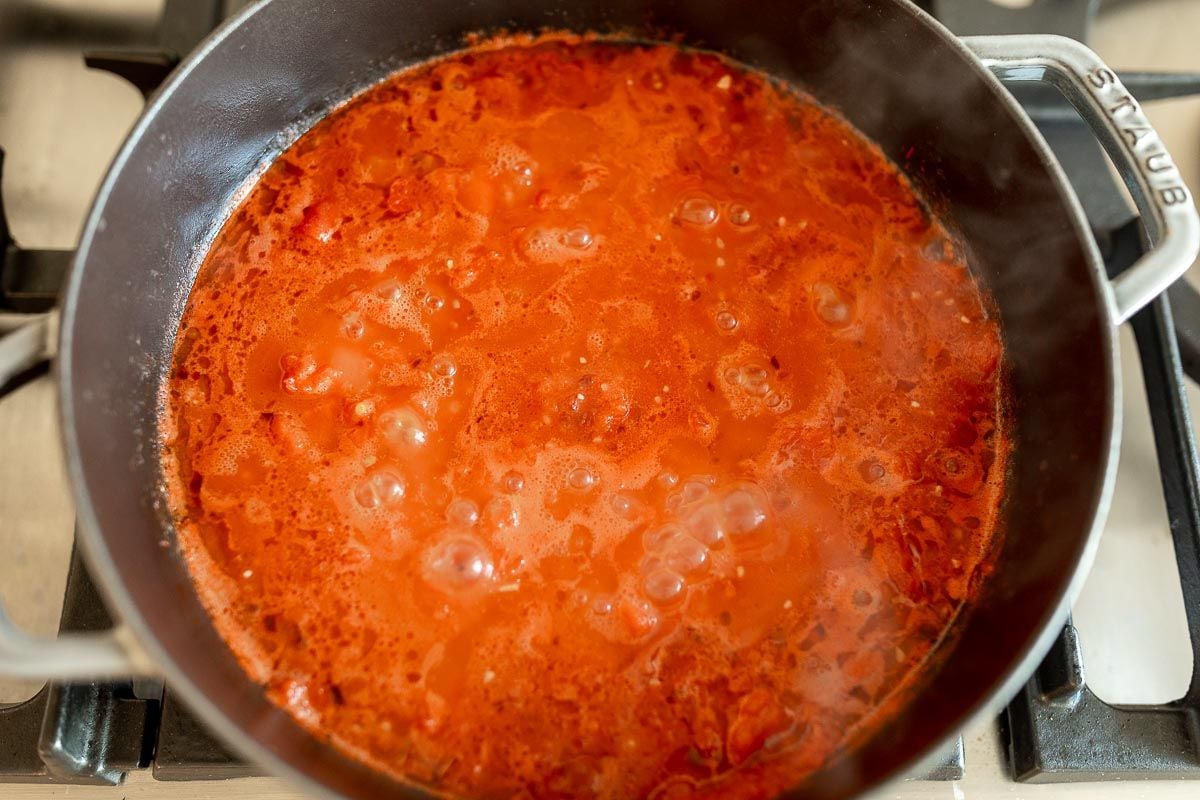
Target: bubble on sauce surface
[754, 379]
[871, 470]
[352, 325]
[443, 365]
[739, 214]
[761, 390]
[509, 157]
[556, 245]
[403, 427]
[433, 303]
[602, 605]
[650, 562]
[301, 374]
[663, 586]
[457, 564]
[512, 482]
[753, 385]
[626, 506]
[706, 525]
[501, 512]
[685, 556]
[831, 305]
[657, 538]
[391, 303]
[693, 490]
[380, 488]
[698, 211]
[746, 509]
[577, 238]
[581, 479]
[390, 290]
[726, 320]
[462, 512]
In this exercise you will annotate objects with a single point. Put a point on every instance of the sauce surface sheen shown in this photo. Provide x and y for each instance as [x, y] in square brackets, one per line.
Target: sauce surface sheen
[568, 418]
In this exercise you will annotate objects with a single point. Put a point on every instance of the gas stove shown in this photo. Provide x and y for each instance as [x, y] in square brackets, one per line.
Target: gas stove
[1127, 727]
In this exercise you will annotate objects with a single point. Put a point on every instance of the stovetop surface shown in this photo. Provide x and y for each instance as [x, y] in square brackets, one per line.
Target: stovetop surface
[60, 124]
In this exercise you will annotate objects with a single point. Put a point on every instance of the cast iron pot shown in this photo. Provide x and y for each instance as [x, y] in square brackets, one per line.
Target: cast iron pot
[929, 100]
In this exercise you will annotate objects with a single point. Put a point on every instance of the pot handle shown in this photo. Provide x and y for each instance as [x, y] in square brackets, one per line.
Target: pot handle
[75, 656]
[1137, 151]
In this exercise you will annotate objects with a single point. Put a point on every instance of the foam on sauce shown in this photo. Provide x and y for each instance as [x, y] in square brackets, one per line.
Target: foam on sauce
[577, 419]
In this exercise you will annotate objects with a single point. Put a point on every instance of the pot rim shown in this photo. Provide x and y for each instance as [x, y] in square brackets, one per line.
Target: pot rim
[994, 702]
[102, 560]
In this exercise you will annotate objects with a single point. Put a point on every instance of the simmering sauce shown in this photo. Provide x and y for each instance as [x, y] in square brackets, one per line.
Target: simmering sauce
[567, 418]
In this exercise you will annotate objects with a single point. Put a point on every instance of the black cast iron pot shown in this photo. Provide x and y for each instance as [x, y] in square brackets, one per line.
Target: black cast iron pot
[928, 99]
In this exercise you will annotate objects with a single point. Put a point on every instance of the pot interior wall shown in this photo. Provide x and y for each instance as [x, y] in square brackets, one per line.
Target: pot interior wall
[887, 70]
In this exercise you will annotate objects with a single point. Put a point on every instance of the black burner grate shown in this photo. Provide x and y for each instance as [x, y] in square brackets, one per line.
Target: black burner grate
[183, 25]
[1058, 730]
[84, 733]
[29, 279]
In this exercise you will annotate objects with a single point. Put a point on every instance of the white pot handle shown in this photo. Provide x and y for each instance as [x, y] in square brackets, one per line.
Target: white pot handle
[1149, 172]
[74, 656]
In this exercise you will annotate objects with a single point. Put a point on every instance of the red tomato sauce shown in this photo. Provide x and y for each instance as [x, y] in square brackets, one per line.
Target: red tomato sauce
[568, 419]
